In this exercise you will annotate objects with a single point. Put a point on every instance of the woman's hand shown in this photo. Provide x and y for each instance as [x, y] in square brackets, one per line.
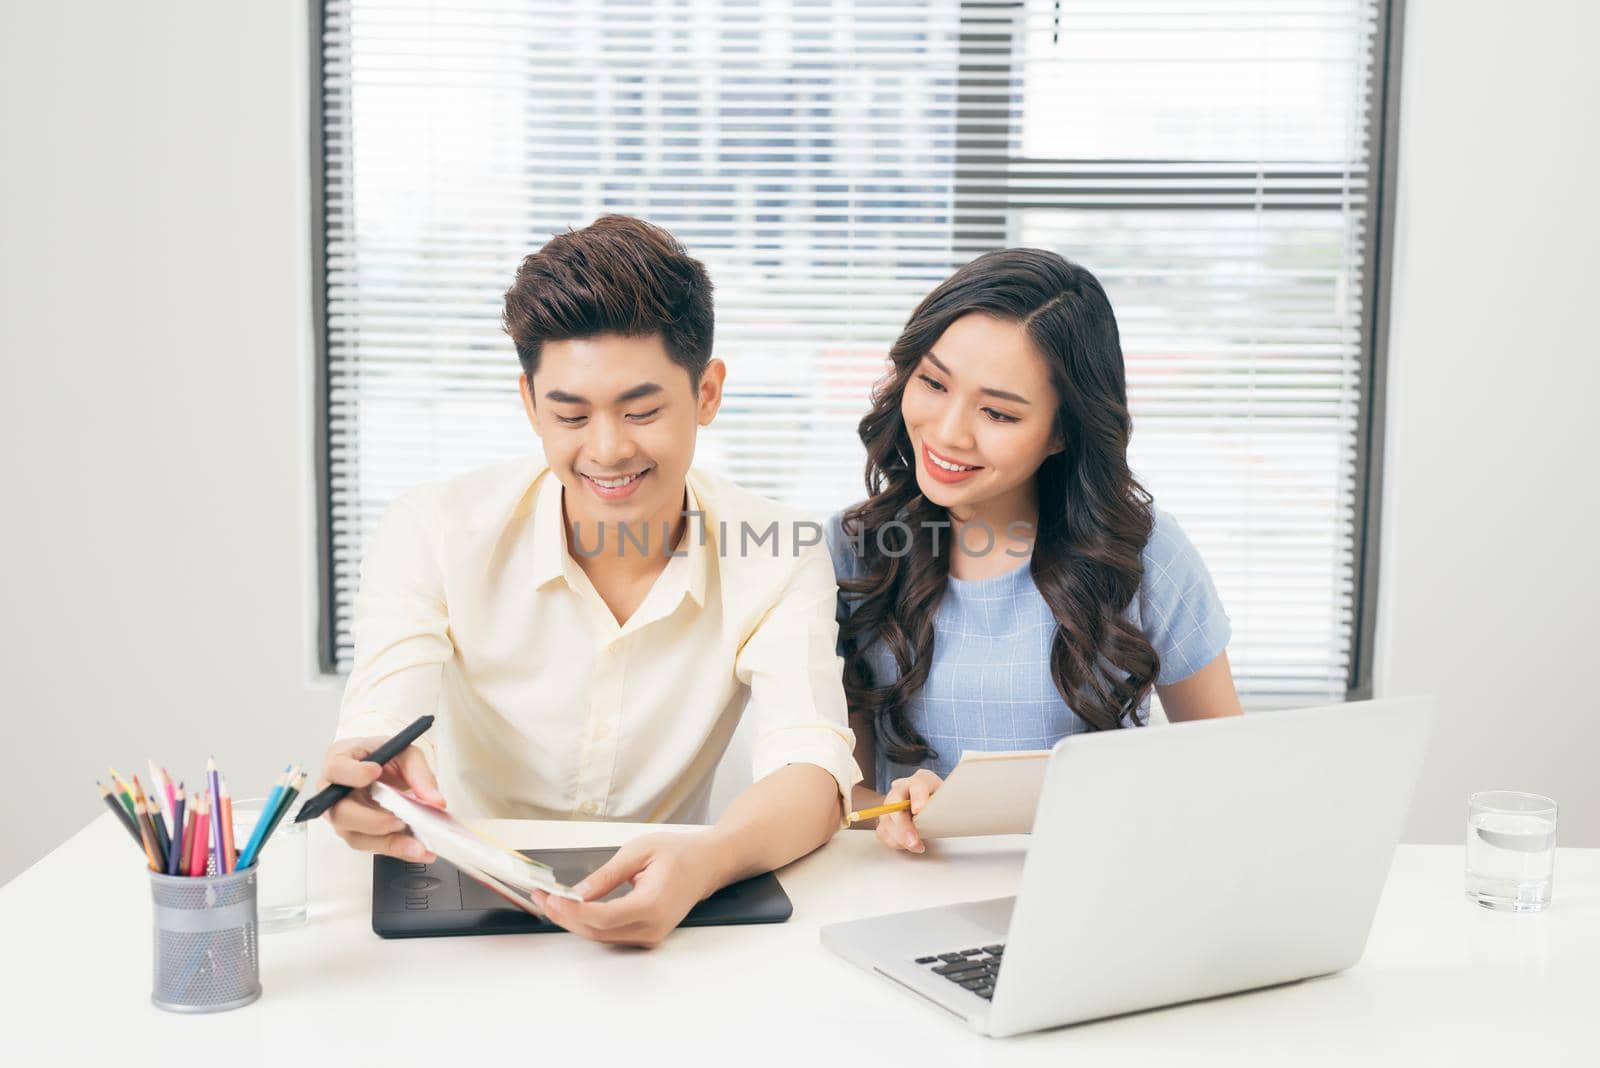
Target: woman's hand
[896, 829]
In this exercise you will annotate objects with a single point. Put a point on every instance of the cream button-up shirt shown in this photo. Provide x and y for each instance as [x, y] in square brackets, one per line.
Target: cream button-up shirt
[472, 607]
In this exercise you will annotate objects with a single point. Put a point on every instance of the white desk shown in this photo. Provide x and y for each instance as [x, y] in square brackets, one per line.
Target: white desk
[1442, 983]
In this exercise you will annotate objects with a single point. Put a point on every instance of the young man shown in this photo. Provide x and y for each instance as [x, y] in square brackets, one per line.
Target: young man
[587, 628]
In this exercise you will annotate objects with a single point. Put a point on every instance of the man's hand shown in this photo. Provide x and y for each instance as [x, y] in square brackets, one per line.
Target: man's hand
[671, 873]
[785, 815]
[359, 820]
[896, 829]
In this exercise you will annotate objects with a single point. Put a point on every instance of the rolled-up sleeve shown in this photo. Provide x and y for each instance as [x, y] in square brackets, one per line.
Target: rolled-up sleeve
[401, 630]
[792, 666]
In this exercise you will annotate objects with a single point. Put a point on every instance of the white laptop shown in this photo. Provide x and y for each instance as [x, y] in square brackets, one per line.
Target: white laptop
[1172, 863]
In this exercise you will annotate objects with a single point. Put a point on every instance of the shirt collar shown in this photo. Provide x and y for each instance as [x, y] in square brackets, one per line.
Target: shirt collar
[552, 559]
[550, 555]
[696, 541]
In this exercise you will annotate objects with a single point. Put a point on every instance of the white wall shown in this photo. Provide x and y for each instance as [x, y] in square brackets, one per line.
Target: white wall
[156, 354]
[1489, 582]
[155, 403]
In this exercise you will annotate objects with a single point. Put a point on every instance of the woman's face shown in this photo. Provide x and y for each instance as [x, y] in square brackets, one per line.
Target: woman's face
[980, 410]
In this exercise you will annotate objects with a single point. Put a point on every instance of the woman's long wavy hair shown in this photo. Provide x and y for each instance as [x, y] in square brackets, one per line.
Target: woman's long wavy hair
[1094, 517]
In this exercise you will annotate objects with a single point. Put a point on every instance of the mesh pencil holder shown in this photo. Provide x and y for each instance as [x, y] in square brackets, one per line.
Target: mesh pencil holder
[207, 950]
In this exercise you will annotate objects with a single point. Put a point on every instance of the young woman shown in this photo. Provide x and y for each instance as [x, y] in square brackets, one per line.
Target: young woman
[1008, 581]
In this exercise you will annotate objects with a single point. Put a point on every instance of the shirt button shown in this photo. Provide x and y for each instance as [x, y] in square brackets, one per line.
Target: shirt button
[589, 808]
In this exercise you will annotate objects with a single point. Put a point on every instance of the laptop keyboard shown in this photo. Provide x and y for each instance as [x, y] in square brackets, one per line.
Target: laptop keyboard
[973, 969]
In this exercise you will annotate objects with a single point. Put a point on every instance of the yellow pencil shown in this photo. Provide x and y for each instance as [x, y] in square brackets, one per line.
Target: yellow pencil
[881, 810]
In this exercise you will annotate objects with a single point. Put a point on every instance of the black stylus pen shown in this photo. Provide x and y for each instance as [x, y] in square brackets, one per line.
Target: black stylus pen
[386, 752]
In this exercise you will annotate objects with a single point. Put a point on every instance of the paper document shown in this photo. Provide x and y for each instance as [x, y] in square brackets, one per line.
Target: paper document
[986, 793]
[502, 870]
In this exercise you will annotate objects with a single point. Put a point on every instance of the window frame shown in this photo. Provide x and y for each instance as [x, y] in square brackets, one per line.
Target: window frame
[1383, 116]
[321, 454]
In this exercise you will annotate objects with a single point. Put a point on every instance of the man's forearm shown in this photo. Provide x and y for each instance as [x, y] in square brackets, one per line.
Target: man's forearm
[781, 818]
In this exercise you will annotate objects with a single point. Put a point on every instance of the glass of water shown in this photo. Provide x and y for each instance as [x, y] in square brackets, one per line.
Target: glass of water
[1511, 850]
[281, 864]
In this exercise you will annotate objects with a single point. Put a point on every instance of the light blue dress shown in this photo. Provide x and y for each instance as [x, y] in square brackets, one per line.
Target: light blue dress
[989, 687]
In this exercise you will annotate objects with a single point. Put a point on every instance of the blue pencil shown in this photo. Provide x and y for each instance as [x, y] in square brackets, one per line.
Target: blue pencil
[216, 815]
[263, 821]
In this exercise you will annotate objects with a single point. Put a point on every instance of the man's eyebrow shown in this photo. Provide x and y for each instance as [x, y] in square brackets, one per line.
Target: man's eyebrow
[1001, 393]
[643, 389]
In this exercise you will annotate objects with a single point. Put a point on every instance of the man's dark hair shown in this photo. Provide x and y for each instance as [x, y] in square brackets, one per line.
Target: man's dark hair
[618, 275]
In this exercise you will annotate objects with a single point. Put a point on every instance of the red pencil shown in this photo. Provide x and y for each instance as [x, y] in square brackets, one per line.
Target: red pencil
[198, 836]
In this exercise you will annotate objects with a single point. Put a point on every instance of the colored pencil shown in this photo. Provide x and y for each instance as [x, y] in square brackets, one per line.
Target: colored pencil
[122, 791]
[283, 807]
[175, 856]
[152, 813]
[228, 858]
[178, 861]
[146, 834]
[879, 810]
[158, 823]
[122, 815]
[214, 803]
[141, 814]
[158, 787]
[169, 800]
[202, 834]
[181, 861]
[139, 794]
[253, 845]
[158, 827]
[198, 808]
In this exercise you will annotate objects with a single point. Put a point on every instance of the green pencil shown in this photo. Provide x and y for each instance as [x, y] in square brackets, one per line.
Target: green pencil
[122, 817]
[121, 791]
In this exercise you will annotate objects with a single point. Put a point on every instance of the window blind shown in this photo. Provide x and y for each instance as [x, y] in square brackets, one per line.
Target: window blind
[831, 162]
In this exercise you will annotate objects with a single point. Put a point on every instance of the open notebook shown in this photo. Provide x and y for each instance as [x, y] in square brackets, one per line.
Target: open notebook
[986, 793]
[505, 871]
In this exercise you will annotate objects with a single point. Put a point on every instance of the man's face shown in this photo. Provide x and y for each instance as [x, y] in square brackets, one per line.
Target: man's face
[618, 420]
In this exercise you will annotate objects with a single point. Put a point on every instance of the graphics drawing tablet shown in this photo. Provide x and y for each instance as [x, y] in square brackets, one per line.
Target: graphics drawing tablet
[414, 900]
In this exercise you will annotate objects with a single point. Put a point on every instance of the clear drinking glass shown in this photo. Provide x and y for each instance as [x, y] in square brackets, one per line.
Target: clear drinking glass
[281, 864]
[1511, 850]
